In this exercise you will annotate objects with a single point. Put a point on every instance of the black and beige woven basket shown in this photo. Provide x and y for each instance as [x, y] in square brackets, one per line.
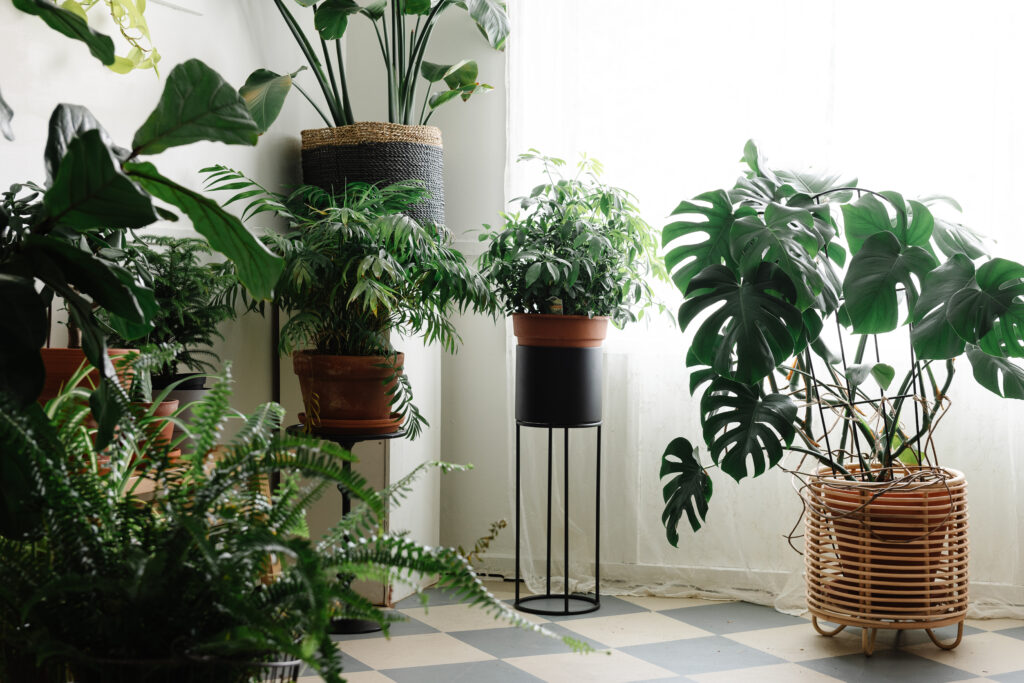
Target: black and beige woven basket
[377, 153]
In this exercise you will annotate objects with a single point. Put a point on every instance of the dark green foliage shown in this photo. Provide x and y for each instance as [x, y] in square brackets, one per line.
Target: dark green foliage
[193, 295]
[578, 244]
[689, 491]
[102, 574]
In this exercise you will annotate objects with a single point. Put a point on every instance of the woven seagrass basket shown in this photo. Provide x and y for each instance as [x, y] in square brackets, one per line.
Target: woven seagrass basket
[379, 154]
[887, 555]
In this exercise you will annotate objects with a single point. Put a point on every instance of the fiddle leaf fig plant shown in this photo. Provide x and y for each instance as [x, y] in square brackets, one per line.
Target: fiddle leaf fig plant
[769, 268]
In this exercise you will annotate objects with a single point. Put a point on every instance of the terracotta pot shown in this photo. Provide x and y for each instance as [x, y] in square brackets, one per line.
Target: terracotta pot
[62, 363]
[162, 431]
[559, 331]
[880, 552]
[347, 392]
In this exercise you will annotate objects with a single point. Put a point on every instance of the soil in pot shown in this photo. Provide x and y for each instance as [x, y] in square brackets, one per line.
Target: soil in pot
[348, 390]
[559, 331]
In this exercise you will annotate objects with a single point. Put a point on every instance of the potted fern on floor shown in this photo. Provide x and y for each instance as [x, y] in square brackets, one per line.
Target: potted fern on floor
[358, 270]
[791, 280]
[404, 147]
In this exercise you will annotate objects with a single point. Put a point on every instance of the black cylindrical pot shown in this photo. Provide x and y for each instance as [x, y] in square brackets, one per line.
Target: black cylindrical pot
[378, 154]
[558, 386]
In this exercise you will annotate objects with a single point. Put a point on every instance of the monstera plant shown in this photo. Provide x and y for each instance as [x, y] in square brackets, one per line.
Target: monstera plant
[790, 279]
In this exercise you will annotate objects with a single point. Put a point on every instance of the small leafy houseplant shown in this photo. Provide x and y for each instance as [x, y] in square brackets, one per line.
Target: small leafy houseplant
[577, 249]
[357, 270]
[187, 570]
[826, 319]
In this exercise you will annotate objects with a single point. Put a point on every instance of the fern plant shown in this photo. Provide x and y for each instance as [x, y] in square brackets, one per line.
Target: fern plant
[182, 585]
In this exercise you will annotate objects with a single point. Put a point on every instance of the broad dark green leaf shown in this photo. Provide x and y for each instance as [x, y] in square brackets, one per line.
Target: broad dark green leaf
[931, 333]
[491, 19]
[374, 10]
[864, 218]
[991, 314]
[197, 104]
[742, 423]
[685, 259]
[437, 99]
[876, 271]
[688, 491]
[434, 72]
[71, 25]
[264, 93]
[882, 373]
[331, 17]
[6, 115]
[784, 237]
[67, 122]
[23, 330]
[421, 7]
[258, 269]
[922, 224]
[999, 375]
[91, 191]
[752, 325]
[462, 74]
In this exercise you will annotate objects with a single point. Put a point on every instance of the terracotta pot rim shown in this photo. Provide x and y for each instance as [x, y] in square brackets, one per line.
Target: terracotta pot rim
[310, 353]
[559, 331]
[554, 316]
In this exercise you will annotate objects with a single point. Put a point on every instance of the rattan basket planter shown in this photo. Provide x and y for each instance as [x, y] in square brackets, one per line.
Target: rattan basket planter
[890, 555]
[380, 154]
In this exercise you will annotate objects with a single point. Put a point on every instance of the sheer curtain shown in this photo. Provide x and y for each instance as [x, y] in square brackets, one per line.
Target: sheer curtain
[919, 96]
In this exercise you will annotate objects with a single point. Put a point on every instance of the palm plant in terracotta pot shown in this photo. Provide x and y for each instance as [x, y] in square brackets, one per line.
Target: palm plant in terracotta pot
[826, 318]
[358, 269]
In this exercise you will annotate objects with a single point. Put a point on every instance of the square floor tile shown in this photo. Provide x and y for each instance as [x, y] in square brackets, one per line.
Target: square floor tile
[773, 673]
[733, 617]
[634, 629]
[1012, 677]
[404, 651]
[610, 606]
[406, 627]
[1017, 633]
[599, 667]
[701, 655]
[887, 665]
[516, 642]
[982, 655]
[435, 596]
[800, 642]
[362, 677]
[477, 672]
[452, 618]
[348, 664]
[659, 604]
[917, 636]
[995, 624]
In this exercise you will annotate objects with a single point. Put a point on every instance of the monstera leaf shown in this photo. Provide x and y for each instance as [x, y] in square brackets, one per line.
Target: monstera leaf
[753, 324]
[688, 491]
[784, 237]
[998, 375]
[932, 334]
[741, 422]
[990, 313]
[876, 271]
[6, 114]
[684, 261]
[863, 218]
[954, 238]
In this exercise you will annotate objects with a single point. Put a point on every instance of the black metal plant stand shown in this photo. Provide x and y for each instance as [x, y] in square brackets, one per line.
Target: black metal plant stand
[574, 603]
[340, 625]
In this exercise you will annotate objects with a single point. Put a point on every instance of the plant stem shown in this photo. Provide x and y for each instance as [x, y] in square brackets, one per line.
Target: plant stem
[334, 82]
[307, 51]
[345, 104]
[315, 105]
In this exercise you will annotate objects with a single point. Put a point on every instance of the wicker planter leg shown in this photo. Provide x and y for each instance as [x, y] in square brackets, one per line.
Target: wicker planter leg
[827, 634]
[948, 646]
[867, 640]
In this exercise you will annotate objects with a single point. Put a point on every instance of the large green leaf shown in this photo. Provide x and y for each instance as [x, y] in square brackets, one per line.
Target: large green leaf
[491, 19]
[688, 491]
[331, 18]
[883, 373]
[991, 313]
[6, 115]
[264, 93]
[999, 375]
[91, 191]
[197, 104]
[932, 334]
[922, 225]
[421, 7]
[374, 10]
[741, 422]
[71, 25]
[864, 218]
[784, 237]
[687, 258]
[462, 74]
[954, 238]
[23, 330]
[752, 326]
[258, 269]
[68, 122]
[876, 271]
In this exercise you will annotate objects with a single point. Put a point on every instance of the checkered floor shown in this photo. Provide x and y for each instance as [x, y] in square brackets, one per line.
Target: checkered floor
[665, 639]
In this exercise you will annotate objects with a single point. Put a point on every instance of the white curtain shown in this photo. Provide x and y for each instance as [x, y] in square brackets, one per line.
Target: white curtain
[918, 96]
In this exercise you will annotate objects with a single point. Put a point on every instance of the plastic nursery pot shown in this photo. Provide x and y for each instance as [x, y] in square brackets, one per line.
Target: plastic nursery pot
[559, 331]
[378, 154]
[888, 554]
[62, 363]
[347, 394]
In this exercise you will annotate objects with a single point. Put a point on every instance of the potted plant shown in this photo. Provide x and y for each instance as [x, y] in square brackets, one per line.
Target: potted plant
[405, 147]
[205, 578]
[578, 255]
[358, 269]
[770, 268]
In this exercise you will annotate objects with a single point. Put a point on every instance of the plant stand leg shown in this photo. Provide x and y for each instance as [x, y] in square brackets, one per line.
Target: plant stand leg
[867, 640]
[947, 646]
[827, 634]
